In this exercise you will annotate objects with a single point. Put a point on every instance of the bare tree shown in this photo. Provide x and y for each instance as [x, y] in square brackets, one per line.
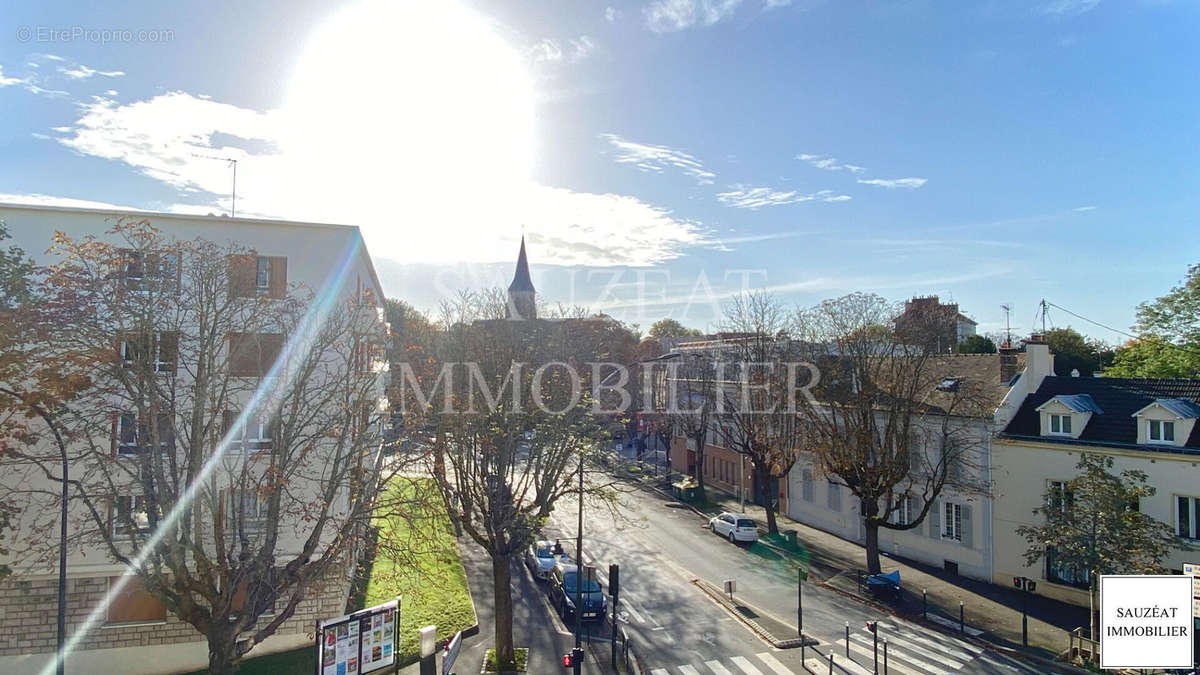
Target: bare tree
[691, 387]
[225, 452]
[514, 420]
[885, 422]
[755, 389]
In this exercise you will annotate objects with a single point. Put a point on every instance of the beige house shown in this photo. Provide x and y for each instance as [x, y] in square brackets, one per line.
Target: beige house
[1144, 424]
[136, 633]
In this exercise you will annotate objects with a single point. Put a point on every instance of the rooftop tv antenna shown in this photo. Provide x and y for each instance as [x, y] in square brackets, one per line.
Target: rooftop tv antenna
[233, 164]
[1007, 325]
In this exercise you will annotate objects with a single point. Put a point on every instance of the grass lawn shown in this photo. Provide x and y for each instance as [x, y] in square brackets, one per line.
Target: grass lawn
[416, 558]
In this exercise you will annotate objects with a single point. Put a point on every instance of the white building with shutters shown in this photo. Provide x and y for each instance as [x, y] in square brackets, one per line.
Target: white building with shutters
[956, 534]
[136, 633]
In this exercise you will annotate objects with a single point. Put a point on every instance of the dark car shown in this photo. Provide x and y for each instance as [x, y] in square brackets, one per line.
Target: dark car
[562, 594]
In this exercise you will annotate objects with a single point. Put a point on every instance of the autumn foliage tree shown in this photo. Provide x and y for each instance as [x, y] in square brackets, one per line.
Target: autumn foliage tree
[225, 450]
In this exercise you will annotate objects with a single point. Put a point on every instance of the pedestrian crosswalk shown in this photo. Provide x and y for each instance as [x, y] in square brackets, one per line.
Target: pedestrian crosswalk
[909, 651]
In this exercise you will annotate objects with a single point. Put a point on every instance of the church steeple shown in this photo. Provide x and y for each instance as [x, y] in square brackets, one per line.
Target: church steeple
[521, 295]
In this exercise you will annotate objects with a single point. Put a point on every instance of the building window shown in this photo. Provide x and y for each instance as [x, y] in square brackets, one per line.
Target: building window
[143, 271]
[1060, 424]
[159, 352]
[952, 522]
[131, 515]
[134, 604]
[132, 436]
[266, 595]
[1058, 495]
[834, 497]
[806, 485]
[253, 275]
[247, 508]
[906, 510]
[257, 433]
[1161, 432]
[262, 275]
[1186, 511]
[1059, 573]
[253, 354]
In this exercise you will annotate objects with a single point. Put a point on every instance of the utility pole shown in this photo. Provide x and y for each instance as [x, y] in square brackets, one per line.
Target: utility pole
[1007, 325]
[577, 664]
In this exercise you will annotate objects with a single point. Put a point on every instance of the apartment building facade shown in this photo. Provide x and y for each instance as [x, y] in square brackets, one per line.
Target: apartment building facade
[321, 266]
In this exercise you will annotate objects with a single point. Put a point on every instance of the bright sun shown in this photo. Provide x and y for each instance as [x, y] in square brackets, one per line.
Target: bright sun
[410, 100]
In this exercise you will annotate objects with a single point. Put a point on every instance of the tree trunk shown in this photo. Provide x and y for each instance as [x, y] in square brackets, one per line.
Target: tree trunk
[870, 510]
[761, 482]
[700, 461]
[502, 589]
[772, 525]
[1092, 604]
[220, 654]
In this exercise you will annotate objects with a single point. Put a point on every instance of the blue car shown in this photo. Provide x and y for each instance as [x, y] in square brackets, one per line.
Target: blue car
[562, 594]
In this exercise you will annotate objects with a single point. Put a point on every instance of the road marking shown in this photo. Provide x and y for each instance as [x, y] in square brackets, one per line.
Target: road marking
[991, 661]
[660, 671]
[747, 667]
[895, 645]
[845, 664]
[973, 632]
[950, 646]
[717, 668]
[634, 613]
[893, 656]
[774, 664]
[688, 670]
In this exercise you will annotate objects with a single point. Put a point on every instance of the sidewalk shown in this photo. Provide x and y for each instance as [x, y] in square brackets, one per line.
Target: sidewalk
[994, 610]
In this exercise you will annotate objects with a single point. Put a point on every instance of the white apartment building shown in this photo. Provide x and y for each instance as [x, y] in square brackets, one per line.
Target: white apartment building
[137, 634]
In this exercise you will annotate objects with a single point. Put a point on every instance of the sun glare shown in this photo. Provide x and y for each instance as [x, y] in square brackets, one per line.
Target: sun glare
[419, 101]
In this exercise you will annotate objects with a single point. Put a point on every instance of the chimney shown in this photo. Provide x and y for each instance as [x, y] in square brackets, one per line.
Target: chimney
[1039, 362]
[1008, 362]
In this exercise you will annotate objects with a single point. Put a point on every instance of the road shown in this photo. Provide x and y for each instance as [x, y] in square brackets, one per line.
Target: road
[679, 630]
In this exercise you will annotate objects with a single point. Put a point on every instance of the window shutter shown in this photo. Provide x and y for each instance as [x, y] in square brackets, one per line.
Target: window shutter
[241, 275]
[278, 276]
[116, 430]
[935, 524]
[226, 422]
[168, 351]
[968, 538]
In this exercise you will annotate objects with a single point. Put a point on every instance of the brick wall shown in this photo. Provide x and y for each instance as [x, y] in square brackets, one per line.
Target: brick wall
[29, 611]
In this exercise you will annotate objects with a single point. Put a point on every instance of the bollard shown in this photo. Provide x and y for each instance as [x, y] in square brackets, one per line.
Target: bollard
[831, 662]
[847, 639]
[875, 647]
[962, 626]
[924, 605]
[884, 656]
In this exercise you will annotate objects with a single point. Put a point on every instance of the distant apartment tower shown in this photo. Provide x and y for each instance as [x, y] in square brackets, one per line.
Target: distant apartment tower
[927, 320]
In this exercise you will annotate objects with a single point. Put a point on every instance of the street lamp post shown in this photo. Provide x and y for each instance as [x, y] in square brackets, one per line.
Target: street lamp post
[577, 665]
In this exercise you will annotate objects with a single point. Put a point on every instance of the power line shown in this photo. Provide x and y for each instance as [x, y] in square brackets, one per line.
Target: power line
[1121, 332]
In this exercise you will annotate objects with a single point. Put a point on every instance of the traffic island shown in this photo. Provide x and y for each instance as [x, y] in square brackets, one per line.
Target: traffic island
[517, 665]
[772, 630]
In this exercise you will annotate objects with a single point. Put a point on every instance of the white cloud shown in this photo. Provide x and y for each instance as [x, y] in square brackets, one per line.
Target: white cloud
[890, 183]
[38, 199]
[82, 72]
[772, 4]
[1070, 7]
[611, 14]
[656, 158]
[829, 163]
[753, 198]
[8, 81]
[1084, 208]
[668, 16]
[549, 50]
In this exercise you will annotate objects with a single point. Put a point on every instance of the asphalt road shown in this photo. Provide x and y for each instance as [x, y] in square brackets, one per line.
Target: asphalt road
[678, 630]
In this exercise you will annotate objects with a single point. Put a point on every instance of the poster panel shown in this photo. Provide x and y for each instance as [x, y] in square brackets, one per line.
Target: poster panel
[358, 643]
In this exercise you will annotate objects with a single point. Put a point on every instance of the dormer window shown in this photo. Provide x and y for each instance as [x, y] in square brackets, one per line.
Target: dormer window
[1161, 431]
[1166, 421]
[1060, 424]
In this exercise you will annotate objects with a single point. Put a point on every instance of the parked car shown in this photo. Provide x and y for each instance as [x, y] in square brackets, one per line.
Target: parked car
[736, 527]
[541, 559]
[562, 594]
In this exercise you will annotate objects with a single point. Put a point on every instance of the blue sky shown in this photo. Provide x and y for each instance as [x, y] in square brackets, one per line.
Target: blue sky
[659, 155]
